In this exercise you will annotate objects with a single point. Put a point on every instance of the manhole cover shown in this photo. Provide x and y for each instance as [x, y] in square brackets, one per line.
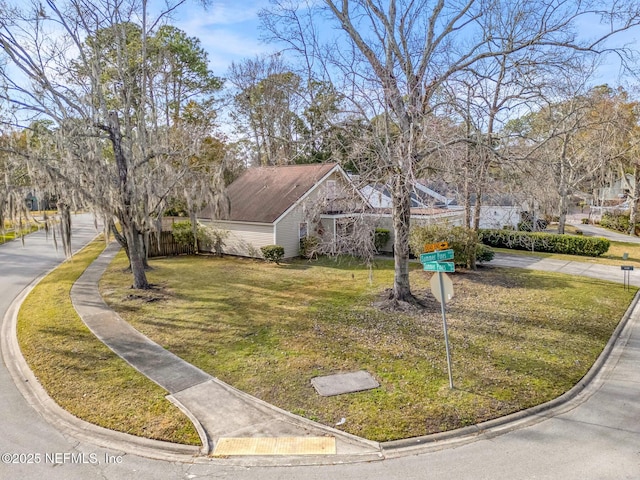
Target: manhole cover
[340, 383]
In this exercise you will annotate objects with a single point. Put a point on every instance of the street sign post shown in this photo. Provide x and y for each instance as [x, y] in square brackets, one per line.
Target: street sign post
[441, 284]
[439, 267]
[436, 256]
[443, 300]
[626, 269]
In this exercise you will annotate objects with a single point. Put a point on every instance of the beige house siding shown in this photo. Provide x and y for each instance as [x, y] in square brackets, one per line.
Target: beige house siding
[288, 232]
[244, 239]
[288, 226]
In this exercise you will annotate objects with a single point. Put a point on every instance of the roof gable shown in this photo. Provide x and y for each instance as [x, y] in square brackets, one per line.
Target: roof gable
[264, 194]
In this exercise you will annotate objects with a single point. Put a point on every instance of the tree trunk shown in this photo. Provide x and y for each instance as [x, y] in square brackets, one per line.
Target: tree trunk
[467, 198]
[633, 202]
[563, 190]
[137, 257]
[562, 219]
[477, 208]
[65, 228]
[401, 223]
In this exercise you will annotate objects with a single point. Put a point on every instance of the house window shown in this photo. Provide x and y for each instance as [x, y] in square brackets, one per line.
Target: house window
[303, 229]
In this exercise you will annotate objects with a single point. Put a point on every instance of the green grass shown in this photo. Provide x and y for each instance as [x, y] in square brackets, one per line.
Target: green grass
[81, 374]
[518, 337]
[9, 235]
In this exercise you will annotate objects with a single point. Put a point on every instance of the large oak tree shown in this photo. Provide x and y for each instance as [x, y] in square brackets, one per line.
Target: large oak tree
[393, 57]
[129, 100]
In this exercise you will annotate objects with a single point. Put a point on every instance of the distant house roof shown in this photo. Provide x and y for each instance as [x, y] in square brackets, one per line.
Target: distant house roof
[379, 196]
[264, 194]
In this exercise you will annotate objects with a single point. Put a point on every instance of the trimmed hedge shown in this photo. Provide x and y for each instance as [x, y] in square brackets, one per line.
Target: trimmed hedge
[545, 242]
[380, 238]
[273, 253]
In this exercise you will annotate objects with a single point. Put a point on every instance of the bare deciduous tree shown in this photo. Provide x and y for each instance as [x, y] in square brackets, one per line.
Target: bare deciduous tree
[394, 56]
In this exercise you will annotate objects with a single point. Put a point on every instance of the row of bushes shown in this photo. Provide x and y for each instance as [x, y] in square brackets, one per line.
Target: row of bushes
[466, 246]
[545, 242]
[617, 221]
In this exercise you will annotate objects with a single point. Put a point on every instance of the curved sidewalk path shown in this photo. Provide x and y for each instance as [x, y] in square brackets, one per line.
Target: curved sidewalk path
[218, 410]
[593, 436]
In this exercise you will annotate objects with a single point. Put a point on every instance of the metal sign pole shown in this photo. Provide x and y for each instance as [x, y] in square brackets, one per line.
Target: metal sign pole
[444, 324]
[626, 276]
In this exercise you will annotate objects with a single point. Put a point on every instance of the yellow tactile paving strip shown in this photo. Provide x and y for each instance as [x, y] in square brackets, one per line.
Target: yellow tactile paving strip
[276, 446]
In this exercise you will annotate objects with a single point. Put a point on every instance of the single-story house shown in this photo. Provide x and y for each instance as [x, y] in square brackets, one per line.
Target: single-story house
[274, 205]
[283, 204]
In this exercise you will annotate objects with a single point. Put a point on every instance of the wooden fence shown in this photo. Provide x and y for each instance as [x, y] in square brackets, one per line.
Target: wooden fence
[167, 246]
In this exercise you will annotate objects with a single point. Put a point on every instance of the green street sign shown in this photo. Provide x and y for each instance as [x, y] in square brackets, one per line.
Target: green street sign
[439, 267]
[436, 256]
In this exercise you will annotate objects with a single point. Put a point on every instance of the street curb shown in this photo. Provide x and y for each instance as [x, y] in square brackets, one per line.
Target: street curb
[586, 387]
[38, 398]
[204, 438]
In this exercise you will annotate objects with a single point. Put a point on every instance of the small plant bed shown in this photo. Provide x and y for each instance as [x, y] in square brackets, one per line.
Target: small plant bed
[518, 338]
[81, 374]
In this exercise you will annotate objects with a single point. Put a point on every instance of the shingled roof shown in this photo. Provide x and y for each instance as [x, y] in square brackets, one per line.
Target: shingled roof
[263, 194]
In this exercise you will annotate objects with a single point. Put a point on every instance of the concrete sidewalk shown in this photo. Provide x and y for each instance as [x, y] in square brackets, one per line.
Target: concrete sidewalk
[221, 412]
[218, 410]
[610, 273]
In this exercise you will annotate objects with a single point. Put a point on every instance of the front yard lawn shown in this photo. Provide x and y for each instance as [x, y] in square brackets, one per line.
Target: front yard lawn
[518, 337]
[81, 374]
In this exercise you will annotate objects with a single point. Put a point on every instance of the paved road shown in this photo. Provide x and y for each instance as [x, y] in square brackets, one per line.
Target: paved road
[610, 273]
[596, 231]
[23, 432]
[595, 437]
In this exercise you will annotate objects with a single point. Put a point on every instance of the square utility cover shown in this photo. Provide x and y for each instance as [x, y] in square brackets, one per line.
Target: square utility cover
[344, 383]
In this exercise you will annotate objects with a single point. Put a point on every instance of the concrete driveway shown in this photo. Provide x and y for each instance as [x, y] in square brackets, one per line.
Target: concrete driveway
[595, 436]
[596, 231]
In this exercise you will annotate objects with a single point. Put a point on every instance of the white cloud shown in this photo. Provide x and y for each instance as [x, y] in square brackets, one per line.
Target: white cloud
[222, 13]
[229, 31]
[225, 46]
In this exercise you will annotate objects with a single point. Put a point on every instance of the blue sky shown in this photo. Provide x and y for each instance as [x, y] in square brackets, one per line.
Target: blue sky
[228, 30]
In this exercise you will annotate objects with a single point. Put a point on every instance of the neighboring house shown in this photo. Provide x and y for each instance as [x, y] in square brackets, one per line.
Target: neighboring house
[614, 193]
[422, 197]
[498, 216]
[276, 205]
[499, 211]
[427, 208]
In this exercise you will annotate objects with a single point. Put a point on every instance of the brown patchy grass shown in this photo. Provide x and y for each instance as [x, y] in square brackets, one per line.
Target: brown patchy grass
[518, 337]
[81, 374]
